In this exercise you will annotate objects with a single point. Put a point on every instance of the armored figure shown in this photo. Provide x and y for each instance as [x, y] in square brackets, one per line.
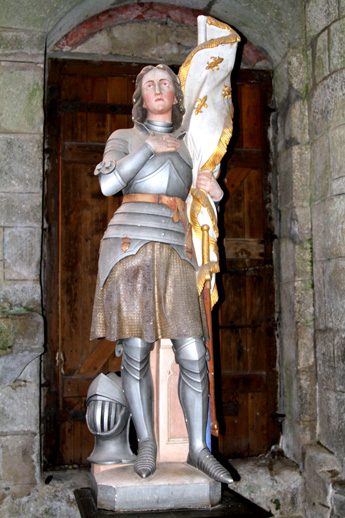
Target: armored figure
[146, 287]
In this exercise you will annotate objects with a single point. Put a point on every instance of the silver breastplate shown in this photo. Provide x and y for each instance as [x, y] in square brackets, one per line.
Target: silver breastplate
[164, 173]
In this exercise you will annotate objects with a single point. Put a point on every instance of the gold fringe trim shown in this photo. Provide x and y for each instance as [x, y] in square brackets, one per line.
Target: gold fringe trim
[222, 145]
[214, 296]
[233, 37]
[203, 271]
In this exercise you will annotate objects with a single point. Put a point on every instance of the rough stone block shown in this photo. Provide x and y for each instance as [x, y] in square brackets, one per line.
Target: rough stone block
[303, 261]
[339, 356]
[319, 14]
[18, 466]
[274, 484]
[32, 17]
[337, 146]
[287, 262]
[331, 409]
[305, 351]
[285, 179]
[281, 81]
[301, 175]
[307, 432]
[320, 469]
[22, 253]
[19, 407]
[304, 304]
[21, 163]
[337, 45]
[328, 104]
[288, 322]
[17, 45]
[299, 70]
[295, 225]
[326, 369]
[338, 499]
[20, 209]
[307, 394]
[320, 168]
[31, 372]
[320, 301]
[115, 40]
[22, 332]
[335, 292]
[328, 235]
[299, 130]
[21, 97]
[20, 297]
[338, 186]
[321, 65]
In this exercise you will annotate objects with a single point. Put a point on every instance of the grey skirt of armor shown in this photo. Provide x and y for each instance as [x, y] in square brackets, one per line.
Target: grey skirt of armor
[150, 295]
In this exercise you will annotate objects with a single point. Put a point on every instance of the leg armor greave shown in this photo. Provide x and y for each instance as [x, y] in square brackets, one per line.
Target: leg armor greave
[190, 354]
[138, 388]
[137, 384]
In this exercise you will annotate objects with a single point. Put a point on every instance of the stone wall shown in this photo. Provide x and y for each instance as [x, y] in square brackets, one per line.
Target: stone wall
[309, 88]
[21, 322]
[325, 36]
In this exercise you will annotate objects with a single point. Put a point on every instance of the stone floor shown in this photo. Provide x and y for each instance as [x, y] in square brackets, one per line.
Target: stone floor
[272, 482]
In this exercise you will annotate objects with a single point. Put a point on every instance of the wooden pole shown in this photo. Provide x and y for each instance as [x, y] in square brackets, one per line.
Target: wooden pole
[207, 299]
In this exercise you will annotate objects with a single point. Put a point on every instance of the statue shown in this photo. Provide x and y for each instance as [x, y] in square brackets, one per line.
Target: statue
[146, 286]
[149, 283]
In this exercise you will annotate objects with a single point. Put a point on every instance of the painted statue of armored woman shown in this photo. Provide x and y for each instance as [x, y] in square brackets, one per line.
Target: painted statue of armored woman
[147, 286]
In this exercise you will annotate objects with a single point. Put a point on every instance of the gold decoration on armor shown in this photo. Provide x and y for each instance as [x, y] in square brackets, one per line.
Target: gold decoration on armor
[201, 104]
[214, 64]
[226, 92]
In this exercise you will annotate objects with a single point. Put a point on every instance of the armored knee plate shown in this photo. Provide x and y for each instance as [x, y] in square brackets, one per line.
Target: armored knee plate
[190, 354]
[108, 419]
[136, 357]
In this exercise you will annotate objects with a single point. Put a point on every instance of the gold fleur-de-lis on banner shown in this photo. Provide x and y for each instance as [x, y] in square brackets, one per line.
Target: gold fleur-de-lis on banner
[202, 104]
[226, 92]
[214, 64]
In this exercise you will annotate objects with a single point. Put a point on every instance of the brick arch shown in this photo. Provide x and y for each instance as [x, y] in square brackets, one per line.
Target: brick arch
[151, 11]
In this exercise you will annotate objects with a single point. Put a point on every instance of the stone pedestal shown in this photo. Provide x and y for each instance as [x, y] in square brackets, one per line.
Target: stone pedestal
[170, 426]
[174, 485]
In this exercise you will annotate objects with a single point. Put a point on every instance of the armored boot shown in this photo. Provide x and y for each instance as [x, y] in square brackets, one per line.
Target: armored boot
[190, 354]
[138, 388]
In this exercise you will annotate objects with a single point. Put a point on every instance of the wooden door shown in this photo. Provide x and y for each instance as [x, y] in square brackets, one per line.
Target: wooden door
[85, 102]
[246, 314]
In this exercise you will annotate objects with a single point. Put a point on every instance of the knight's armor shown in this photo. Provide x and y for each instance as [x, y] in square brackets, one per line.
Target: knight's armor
[155, 187]
[108, 419]
[143, 172]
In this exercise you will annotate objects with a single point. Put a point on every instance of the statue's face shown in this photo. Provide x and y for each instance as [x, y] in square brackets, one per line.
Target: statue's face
[158, 95]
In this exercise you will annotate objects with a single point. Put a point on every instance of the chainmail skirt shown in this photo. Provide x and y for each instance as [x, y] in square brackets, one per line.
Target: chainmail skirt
[150, 295]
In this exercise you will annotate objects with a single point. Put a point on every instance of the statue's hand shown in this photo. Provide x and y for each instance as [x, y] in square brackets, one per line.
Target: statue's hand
[207, 182]
[163, 143]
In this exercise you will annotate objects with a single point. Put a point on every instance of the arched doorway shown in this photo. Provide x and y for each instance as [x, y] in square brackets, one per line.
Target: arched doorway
[87, 100]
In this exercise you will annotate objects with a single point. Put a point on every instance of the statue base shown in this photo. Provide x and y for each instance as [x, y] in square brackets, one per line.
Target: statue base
[174, 485]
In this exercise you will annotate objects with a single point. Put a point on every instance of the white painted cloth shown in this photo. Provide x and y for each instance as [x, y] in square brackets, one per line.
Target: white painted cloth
[205, 80]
